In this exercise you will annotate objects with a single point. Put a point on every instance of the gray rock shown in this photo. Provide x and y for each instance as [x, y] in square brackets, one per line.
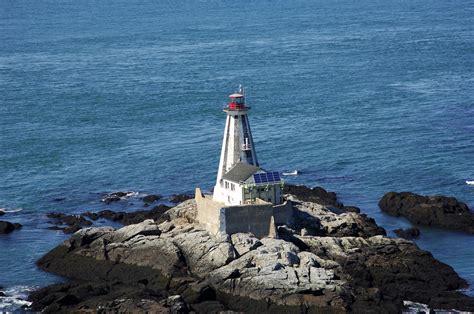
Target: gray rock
[147, 227]
[244, 242]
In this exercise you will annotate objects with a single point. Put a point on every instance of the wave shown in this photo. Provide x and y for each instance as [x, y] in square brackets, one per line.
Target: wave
[15, 298]
[15, 210]
[470, 182]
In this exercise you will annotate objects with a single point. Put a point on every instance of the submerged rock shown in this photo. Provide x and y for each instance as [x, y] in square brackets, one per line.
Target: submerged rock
[436, 211]
[151, 198]
[407, 233]
[116, 196]
[72, 222]
[8, 227]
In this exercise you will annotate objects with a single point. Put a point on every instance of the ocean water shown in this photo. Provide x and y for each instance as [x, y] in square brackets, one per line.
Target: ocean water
[363, 97]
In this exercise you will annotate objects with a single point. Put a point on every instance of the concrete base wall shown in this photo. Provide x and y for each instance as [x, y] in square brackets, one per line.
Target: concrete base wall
[248, 218]
[283, 213]
[216, 217]
[209, 212]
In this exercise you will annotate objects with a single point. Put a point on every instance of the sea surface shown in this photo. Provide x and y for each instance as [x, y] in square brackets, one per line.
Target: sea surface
[363, 97]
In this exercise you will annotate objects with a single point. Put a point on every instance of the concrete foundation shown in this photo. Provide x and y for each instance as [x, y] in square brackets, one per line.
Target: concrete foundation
[256, 218]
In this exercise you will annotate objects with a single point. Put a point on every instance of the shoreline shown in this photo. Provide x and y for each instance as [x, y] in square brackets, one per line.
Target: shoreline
[334, 200]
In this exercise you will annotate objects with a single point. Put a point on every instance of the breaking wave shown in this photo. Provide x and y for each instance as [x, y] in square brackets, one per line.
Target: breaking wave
[15, 298]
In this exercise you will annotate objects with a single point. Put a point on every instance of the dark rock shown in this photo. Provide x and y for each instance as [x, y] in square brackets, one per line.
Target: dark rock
[407, 233]
[115, 197]
[179, 198]
[127, 218]
[72, 222]
[435, 211]
[151, 198]
[316, 195]
[351, 209]
[2, 294]
[178, 266]
[209, 307]
[7, 227]
[56, 228]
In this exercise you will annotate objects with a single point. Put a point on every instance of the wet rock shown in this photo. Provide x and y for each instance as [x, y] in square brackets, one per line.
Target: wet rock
[127, 218]
[116, 196]
[72, 222]
[8, 227]
[151, 198]
[436, 211]
[179, 198]
[178, 265]
[407, 233]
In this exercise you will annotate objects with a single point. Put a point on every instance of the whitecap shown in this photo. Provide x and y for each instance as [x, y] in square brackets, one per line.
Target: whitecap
[15, 298]
[470, 182]
[15, 210]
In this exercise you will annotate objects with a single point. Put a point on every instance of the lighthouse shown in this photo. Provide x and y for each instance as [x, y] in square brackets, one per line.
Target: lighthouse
[240, 180]
[246, 197]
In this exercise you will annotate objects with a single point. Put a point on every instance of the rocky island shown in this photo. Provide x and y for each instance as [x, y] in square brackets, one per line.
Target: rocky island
[326, 260]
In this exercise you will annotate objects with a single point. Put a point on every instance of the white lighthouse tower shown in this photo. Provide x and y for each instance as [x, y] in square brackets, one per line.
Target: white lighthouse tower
[239, 171]
[237, 145]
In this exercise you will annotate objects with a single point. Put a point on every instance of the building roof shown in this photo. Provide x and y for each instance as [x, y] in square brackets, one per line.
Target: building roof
[240, 172]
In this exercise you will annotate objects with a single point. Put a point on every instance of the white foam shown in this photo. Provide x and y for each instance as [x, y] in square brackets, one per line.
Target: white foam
[15, 298]
[11, 210]
[469, 182]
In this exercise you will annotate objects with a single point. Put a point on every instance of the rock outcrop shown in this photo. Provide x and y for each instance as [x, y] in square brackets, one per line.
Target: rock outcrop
[8, 227]
[116, 196]
[67, 223]
[319, 196]
[341, 263]
[435, 211]
[127, 218]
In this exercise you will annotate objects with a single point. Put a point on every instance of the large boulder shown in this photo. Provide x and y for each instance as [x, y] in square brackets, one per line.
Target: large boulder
[317, 219]
[436, 211]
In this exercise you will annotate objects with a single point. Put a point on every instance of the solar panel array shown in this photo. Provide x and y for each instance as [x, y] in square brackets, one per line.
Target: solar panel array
[268, 177]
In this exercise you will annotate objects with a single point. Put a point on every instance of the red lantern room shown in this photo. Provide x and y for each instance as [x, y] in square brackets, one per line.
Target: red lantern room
[237, 102]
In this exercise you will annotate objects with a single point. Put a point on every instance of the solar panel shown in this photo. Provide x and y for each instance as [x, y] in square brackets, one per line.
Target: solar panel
[268, 177]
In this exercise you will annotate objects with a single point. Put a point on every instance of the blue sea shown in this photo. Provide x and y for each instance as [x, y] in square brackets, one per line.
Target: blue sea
[363, 97]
